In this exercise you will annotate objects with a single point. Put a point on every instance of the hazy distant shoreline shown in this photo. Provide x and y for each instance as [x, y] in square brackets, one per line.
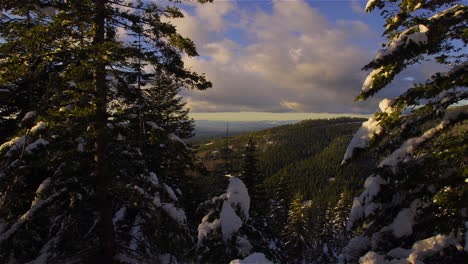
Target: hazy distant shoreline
[266, 116]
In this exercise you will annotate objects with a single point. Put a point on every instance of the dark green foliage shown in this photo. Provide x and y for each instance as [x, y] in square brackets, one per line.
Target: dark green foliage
[423, 139]
[86, 179]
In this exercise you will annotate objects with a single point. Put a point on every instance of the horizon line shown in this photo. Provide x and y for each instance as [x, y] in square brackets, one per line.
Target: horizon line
[268, 116]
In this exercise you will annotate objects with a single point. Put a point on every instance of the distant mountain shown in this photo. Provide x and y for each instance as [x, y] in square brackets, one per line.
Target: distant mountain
[205, 129]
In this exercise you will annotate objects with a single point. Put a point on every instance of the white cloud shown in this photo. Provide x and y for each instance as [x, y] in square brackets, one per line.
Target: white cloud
[358, 6]
[290, 59]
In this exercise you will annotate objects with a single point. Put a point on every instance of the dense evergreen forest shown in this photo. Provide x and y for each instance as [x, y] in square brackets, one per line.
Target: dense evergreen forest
[95, 166]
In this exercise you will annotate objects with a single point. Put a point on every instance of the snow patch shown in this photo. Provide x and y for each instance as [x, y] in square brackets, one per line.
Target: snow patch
[363, 136]
[237, 195]
[255, 258]
[363, 203]
[170, 192]
[154, 179]
[39, 142]
[177, 214]
[206, 227]
[29, 115]
[230, 221]
[372, 258]
[119, 215]
[154, 126]
[410, 145]
[173, 137]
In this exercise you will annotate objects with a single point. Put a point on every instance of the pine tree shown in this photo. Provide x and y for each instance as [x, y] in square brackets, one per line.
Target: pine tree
[296, 233]
[79, 171]
[252, 177]
[224, 233]
[412, 208]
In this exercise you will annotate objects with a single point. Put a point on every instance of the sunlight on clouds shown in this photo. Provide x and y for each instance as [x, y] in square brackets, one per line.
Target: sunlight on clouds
[306, 64]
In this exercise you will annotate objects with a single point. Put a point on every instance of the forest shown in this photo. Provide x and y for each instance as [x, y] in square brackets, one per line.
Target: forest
[97, 165]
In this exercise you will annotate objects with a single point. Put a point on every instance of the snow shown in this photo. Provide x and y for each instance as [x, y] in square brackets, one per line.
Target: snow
[29, 115]
[244, 246]
[367, 85]
[369, 4]
[175, 213]
[372, 258]
[363, 203]
[386, 106]
[452, 9]
[154, 179]
[418, 37]
[238, 195]
[28, 215]
[399, 253]
[362, 137]
[230, 221]
[255, 258]
[403, 223]
[356, 247]
[42, 187]
[167, 259]
[38, 127]
[154, 126]
[135, 233]
[410, 145]
[357, 212]
[430, 246]
[206, 227]
[119, 215]
[80, 146]
[18, 142]
[170, 192]
[39, 142]
[173, 137]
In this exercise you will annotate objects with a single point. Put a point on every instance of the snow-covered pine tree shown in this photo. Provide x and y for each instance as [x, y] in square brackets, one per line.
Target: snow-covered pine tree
[413, 209]
[78, 172]
[297, 234]
[340, 234]
[224, 233]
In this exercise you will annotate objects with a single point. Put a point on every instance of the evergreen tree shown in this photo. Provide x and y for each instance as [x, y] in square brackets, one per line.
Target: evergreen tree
[412, 208]
[252, 177]
[224, 233]
[79, 170]
[296, 233]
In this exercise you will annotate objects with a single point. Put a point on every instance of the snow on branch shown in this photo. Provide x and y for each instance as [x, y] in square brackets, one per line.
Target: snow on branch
[409, 146]
[416, 35]
[173, 137]
[28, 215]
[18, 142]
[363, 205]
[251, 259]
[456, 10]
[367, 131]
[154, 126]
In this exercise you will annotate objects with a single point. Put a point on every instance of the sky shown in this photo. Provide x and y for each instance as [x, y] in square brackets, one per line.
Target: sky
[286, 56]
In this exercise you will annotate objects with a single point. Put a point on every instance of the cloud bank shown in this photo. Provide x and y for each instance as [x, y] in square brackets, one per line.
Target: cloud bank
[287, 58]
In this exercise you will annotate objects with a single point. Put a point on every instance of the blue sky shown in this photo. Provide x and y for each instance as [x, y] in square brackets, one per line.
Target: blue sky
[286, 56]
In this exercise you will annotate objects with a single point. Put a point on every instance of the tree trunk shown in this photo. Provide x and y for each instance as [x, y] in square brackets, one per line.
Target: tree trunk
[104, 202]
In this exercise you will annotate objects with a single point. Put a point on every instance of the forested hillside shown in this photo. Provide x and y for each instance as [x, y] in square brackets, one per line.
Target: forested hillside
[300, 161]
